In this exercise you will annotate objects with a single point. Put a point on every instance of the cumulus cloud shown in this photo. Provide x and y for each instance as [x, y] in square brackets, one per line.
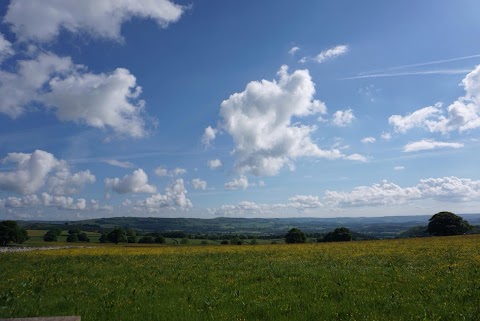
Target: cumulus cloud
[237, 183]
[357, 157]
[421, 117]
[63, 182]
[427, 144]
[162, 171]
[34, 171]
[21, 88]
[399, 168]
[45, 199]
[448, 189]
[462, 115]
[259, 120]
[331, 53]
[385, 193]
[343, 118]
[118, 163]
[174, 198]
[209, 136]
[368, 140]
[199, 184]
[386, 136]
[43, 21]
[97, 100]
[304, 202]
[137, 182]
[6, 49]
[214, 164]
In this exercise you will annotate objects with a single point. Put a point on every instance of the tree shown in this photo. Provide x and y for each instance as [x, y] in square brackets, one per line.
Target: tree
[51, 236]
[340, 234]
[103, 238]
[147, 240]
[184, 240]
[74, 231]
[73, 238]
[10, 232]
[295, 236]
[447, 223]
[117, 235]
[161, 240]
[82, 237]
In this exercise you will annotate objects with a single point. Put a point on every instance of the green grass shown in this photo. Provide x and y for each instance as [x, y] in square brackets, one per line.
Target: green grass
[412, 279]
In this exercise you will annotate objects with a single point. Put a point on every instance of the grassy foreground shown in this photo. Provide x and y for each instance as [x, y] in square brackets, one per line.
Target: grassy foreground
[411, 279]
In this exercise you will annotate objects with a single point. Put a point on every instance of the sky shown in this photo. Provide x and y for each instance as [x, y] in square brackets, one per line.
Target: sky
[267, 108]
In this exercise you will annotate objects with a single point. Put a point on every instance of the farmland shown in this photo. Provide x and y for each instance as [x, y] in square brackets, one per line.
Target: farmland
[410, 279]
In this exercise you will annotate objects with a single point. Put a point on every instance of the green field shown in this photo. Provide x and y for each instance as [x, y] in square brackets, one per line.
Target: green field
[410, 279]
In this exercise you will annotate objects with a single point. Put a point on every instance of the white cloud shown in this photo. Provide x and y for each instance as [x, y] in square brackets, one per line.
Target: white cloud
[209, 136]
[6, 49]
[303, 202]
[45, 199]
[357, 157]
[261, 183]
[386, 136]
[427, 144]
[39, 169]
[97, 100]
[174, 198]
[214, 164]
[21, 88]
[385, 193]
[399, 168]
[462, 115]
[237, 183]
[447, 189]
[302, 60]
[118, 163]
[43, 21]
[368, 140]
[418, 118]
[62, 182]
[331, 53]
[293, 50]
[199, 184]
[259, 120]
[137, 182]
[343, 118]
[162, 171]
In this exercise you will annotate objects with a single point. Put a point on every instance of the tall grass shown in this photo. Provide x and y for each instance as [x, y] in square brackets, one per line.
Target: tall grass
[413, 279]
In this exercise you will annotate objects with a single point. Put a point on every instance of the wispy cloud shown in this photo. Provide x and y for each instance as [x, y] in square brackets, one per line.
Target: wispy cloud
[390, 71]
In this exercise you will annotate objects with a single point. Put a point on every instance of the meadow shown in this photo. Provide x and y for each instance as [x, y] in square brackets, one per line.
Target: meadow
[409, 279]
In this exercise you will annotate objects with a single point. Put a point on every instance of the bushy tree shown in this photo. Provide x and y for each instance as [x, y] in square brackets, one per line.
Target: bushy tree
[10, 232]
[295, 236]
[224, 242]
[74, 231]
[185, 240]
[82, 237]
[131, 239]
[73, 238]
[447, 223]
[340, 234]
[103, 238]
[161, 240]
[117, 235]
[51, 236]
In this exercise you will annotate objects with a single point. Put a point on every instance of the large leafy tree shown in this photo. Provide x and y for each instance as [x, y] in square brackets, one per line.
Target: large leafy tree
[340, 234]
[10, 232]
[117, 235]
[295, 236]
[447, 223]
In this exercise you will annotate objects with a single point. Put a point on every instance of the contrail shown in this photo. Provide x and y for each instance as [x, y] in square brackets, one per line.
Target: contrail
[429, 72]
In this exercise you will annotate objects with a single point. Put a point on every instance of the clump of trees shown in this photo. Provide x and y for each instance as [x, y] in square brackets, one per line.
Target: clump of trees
[340, 234]
[294, 235]
[52, 235]
[10, 232]
[447, 223]
[75, 235]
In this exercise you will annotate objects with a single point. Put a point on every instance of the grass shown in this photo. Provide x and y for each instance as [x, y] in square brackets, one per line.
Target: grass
[411, 279]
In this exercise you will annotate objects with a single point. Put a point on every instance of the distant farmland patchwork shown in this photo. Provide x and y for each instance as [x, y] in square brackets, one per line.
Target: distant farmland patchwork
[408, 279]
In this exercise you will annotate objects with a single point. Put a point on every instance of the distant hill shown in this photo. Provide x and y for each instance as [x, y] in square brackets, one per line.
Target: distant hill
[381, 227]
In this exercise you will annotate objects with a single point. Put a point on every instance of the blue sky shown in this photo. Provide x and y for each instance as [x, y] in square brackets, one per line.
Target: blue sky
[243, 109]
